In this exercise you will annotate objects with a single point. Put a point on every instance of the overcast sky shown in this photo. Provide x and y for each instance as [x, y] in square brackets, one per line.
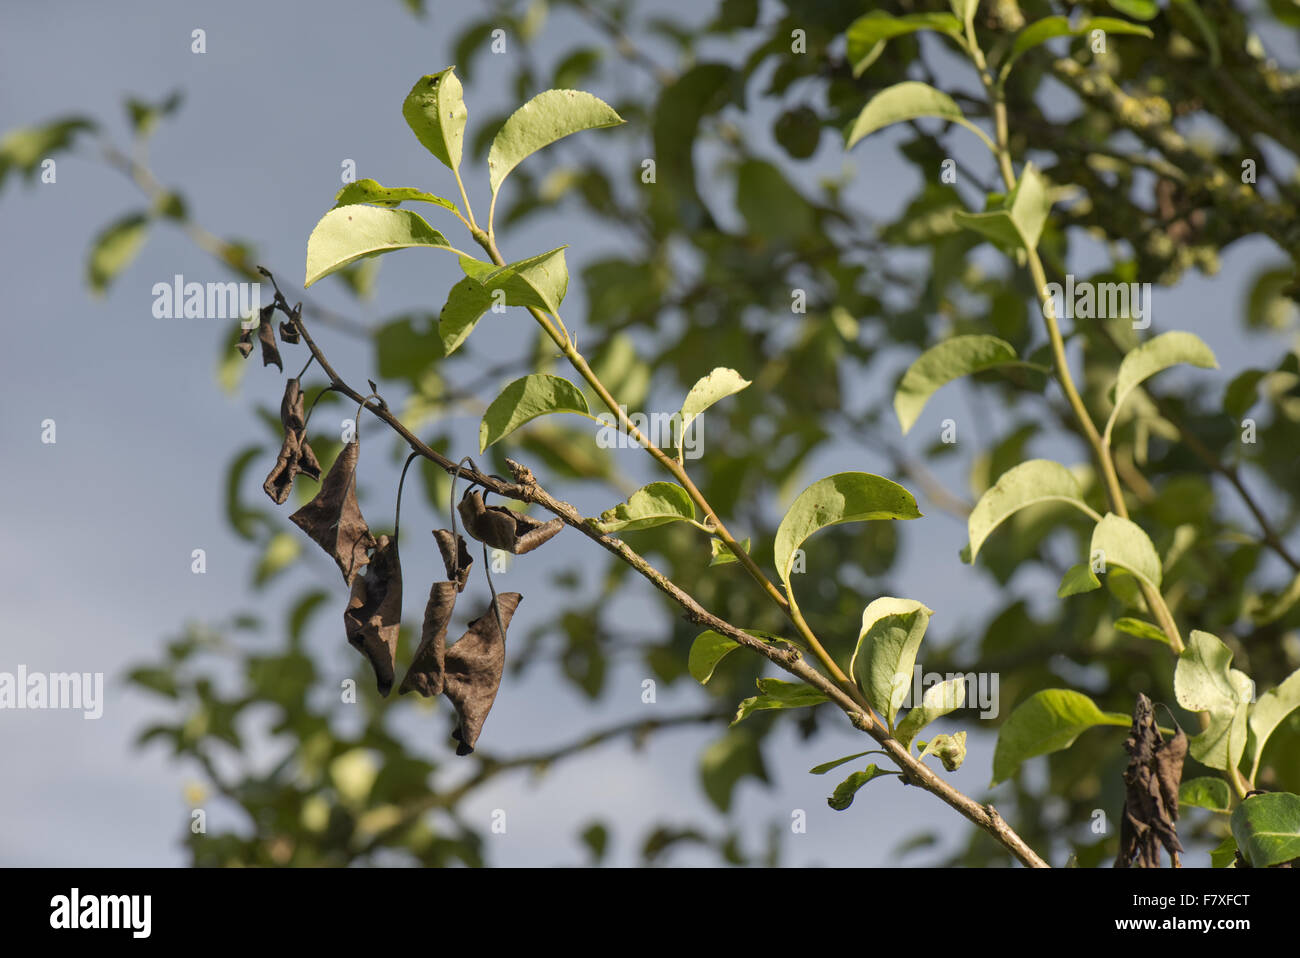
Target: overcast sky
[98, 528]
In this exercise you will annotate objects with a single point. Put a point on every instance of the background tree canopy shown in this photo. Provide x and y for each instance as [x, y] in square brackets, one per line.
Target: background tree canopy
[754, 241]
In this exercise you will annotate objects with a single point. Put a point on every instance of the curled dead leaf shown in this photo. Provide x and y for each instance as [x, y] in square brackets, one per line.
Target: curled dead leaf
[333, 518]
[296, 455]
[373, 617]
[472, 674]
[266, 336]
[503, 528]
[426, 672]
[1151, 781]
[455, 556]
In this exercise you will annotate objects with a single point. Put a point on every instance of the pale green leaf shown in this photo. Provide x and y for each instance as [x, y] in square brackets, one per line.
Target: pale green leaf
[1019, 220]
[524, 400]
[836, 763]
[541, 121]
[467, 301]
[1040, 31]
[347, 233]
[938, 701]
[909, 100]
[1123, 543]
[778, 694]
[1141, 629]
[1077, 580]
[844, 792]
[885, 655]
[1030, 483]
[721, 555]
[435, 112]
[1267, 714]
[1205, 682]
[114, 249]
[719, 384]
[1159, 353]
[949, 749]
[867, 34]
[1047, 721]
[370, 191]
[1267, 828]
[539, 281]
[1211, 793]
[651, 505]
[708, 649]
[843, 497]
[940, 365]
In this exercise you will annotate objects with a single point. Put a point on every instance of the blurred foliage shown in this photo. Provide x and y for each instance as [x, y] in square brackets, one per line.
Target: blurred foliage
[1149, 139]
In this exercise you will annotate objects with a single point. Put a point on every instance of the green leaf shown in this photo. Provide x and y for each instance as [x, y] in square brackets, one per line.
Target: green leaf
[950, 750]
[1267, 714]
[940, 365]
[1077, 580]
[1020, 219]
[721, 555]
[370, 191]
[1040, 31]
[909, 100]
[114, 249]
[1124, 544]
[1047, 721]
[867, 34]
[778, 694]
[1168, 349]
[435, 112]
[1270, 611]
[467, 301]
[25, 148]
[1137, 9]
[1211, 793]
[1267, 828]
[843, 497]
[1028, 484]
[724, 763]
[652, 505]
[885, 655]
[719, 384]
[844, 792]
[1205, 682]
[827, 766]
[938, 701]
[1225, 855]
[1143, 630]
[539, 281]
[541, 121]
[347, 233]
[708, 649]
[524, 400]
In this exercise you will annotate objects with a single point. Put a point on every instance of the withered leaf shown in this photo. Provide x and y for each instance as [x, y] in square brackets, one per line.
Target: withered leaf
[288, 333]
[426, 672]
[334, 519]
[1151, 782]
[503, 528]
[455, 556]
[473, 670]
[374, 614]
[266, 336]
[296, 455]
[245, 344]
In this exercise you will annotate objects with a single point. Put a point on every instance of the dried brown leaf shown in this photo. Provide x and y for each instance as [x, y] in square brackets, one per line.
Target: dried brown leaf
[426, 672]
[374, 614]
[245, 344]
[503, 528]
[333, 518]
[473, 670]
[266, 336]
[296, 456]
[1151, 783]
[455, 556]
